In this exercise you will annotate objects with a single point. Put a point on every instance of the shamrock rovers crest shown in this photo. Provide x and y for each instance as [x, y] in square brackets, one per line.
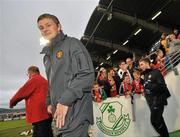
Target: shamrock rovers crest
[113, 122]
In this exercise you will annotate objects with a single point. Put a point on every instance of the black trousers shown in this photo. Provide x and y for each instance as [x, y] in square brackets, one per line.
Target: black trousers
[157, 120]
[42, 128]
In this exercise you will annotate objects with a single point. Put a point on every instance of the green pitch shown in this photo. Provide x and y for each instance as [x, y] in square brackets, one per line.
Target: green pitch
[175, 134]
[13, 128]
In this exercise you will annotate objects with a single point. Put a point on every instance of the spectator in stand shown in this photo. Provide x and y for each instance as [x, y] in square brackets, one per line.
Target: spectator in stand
[113, 90]
[159, 62]
[152, 57]
[115, 76]
[174, 44]
[98, 93]
[115, 69]
[137, 82]
[174, 48]
[176, 33]
[126, 87]
[102, 80]
[130, 66]
[122, 70]
[163, 44]
[34, 91]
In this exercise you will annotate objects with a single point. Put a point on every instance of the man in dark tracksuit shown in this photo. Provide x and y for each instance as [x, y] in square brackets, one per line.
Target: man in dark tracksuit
[70, 75]
[156, 94]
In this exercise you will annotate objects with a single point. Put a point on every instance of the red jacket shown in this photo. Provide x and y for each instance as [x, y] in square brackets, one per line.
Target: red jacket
[138, 87]
[34, 92]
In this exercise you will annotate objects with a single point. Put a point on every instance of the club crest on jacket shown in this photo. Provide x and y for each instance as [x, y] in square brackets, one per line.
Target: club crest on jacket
[59, 54]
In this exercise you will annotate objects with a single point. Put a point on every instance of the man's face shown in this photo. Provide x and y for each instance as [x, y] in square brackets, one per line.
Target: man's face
[136, 76]
[143, 65]
[29, 74]
[175, 31]
[163, 36]
[115, 69]
[127, 79]
[129, 62]
[160, 55]
[111, 72]
[103, 73]
[123, 66]
[96, 87]
[172, 37]
[49, 29]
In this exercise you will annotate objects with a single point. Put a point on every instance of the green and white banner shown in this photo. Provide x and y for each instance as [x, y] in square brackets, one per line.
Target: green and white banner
[118, 117]
[115, 117]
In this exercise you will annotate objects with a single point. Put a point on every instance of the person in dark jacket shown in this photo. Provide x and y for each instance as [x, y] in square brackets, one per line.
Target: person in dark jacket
[102, 80]
[70, 73]
[34, 91]
[156, 94]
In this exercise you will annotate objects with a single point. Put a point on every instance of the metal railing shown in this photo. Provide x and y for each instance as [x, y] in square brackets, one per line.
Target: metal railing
[171, 61]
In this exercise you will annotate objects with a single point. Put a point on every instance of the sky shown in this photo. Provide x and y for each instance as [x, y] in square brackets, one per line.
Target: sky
[19, 37]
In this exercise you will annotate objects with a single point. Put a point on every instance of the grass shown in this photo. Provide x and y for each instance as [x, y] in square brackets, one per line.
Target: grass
[13, 128]
[175, 134]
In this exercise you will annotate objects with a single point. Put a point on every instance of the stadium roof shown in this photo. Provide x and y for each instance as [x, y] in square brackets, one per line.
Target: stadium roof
[129, 26]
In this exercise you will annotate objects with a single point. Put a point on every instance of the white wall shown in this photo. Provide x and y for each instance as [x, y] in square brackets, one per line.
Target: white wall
[172, 112]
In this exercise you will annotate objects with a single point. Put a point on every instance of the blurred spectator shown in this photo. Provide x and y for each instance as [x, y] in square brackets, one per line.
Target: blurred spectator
[159, 62]
[174, 44]
[116, 77]
[137, 82]
[176, 33]
[152, 57]
[115, 69]
[102, 80]
[130, 66]
[111, 73]
[113, 90]
[126, 87]
[122, 70]
[98, 93]
[163, 44]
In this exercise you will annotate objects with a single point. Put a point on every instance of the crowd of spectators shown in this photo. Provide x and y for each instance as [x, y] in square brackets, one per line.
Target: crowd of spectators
[115, 82]
[169, 43]
[127, 79]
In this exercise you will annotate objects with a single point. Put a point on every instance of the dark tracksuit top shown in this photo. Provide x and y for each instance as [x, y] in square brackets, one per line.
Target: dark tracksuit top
[156, 93]
[70, 74]
[155, 89]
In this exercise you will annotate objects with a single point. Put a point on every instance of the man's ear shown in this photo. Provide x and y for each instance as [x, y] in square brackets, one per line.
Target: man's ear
[59, 27]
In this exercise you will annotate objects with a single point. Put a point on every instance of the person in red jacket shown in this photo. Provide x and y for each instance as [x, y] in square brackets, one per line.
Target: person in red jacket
[137, 82]
[34, 91]
[126, 87]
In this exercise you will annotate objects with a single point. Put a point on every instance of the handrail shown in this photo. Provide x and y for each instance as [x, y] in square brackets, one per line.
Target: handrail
[172, 56]
[173, 60]
[149, 55]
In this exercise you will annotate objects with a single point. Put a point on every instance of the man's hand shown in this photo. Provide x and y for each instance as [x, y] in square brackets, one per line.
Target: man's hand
[60, 114]
[12, 104]
[49, 109]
